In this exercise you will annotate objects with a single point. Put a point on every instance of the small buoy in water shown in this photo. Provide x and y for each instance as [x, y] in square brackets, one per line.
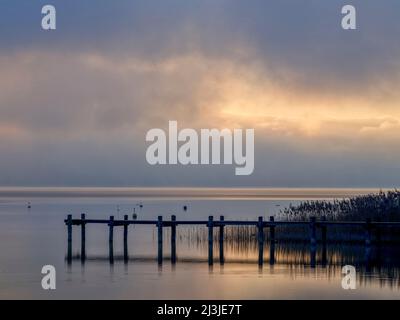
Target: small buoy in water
[184, 208]
[141, 205]
[29, 205]
[134, 216]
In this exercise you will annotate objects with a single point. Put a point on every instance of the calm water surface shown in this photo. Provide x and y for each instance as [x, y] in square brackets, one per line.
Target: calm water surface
[31, 238]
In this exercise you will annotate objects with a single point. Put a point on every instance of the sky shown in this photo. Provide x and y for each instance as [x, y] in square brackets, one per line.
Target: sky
[76, 102]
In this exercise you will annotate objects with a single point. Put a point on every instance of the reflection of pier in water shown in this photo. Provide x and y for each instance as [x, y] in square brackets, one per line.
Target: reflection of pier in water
[234, 239]
[290, 258]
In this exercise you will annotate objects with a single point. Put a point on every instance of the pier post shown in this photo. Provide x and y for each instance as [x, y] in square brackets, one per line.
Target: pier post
[260, 237]
[272, 229]
[368, 242]
[210, 225]
[324, 239]
[272, 241]
[173, 239]
[368, 232]
[378, 231]
[160, 240]
[111, 239]
[126, 239]
[313, 241]
[69, 231]
[313, 231]
[221, 240]
[83, 237]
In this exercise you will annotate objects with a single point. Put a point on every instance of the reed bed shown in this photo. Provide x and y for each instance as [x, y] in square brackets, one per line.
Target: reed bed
[383, 206]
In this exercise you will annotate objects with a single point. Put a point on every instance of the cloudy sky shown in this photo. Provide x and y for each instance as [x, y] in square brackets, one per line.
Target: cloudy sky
[76, 103]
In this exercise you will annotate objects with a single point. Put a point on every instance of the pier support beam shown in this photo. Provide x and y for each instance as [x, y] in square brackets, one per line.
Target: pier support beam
[69, 232]
[221, 240]
[378, 232]
[313, 231]
[83, 238]
[368, 238]
[272, 241]
[368, 242]
[210, 225]
[313, 241]
[272, 229]
[111, 239]
[173, 239]
[324, 232]
[126, 256]
[260, 236]
[160, 240]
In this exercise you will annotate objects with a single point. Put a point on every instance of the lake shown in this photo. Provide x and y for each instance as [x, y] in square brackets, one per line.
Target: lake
[36, 236]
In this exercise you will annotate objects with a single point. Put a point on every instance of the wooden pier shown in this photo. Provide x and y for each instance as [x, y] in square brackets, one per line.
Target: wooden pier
[313, 224]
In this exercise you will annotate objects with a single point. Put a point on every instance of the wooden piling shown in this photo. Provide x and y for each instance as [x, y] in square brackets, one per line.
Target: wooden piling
[324, 240]
[210, 225]
[313, 241]
[111, 239]
[272, 241]
[83, 237]
[378, 232]
[126, 256]
[173, 239]
[272, 253]
[313, 231]
[221, 240]
[160, 240]
[368, 242]
[272, 229]
[368, 239]
[69, 231]
[260, 237]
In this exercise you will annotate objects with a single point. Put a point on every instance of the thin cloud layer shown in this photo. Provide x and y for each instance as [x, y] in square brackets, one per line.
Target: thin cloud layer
[77, 103]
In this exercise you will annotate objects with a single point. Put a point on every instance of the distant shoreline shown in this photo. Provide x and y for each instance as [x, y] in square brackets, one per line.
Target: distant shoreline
[187, 193]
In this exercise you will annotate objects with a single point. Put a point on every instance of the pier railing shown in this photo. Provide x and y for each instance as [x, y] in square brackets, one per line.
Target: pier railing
[313, 224]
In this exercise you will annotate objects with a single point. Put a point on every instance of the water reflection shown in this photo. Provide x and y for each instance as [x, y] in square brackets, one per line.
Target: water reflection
[376, 263]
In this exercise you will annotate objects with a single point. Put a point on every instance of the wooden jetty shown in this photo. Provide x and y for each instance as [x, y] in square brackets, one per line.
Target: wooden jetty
[313, 224]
